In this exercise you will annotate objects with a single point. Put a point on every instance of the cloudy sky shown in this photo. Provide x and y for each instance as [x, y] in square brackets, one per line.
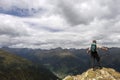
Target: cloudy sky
[59, 23]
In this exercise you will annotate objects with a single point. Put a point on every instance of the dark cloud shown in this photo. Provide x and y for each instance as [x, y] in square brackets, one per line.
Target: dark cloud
[113, 9]
[87, 11]
[72, 14]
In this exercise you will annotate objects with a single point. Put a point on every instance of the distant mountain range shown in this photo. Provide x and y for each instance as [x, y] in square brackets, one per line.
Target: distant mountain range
[13, 67]
[65, 62]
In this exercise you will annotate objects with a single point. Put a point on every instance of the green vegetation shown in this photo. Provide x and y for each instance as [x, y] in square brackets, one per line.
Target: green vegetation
[16, 68]
[65, 62]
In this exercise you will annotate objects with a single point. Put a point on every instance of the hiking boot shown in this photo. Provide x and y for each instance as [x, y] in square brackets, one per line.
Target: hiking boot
[100, 67]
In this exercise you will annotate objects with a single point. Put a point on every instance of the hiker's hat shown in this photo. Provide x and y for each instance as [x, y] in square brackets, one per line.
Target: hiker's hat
[94, 41]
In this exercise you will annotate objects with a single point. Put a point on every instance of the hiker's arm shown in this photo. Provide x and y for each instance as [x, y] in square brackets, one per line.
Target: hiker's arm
[102, 47]
[99, 47]
[88, 50]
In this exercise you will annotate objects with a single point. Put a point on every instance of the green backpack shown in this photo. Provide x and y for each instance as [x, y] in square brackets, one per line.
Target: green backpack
[93, 47]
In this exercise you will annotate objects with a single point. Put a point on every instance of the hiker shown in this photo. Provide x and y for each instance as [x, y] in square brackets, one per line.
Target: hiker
[94, 54]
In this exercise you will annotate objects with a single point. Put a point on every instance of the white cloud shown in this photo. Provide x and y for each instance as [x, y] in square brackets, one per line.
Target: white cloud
[12, 26]
[64, 23]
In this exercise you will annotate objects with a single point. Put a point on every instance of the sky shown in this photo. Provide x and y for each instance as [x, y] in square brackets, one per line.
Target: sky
[50, 24]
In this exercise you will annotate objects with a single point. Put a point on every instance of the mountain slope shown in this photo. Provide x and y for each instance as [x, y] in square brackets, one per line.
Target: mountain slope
[99, 74]
[61, 61]
[16, 68]
[67, 61]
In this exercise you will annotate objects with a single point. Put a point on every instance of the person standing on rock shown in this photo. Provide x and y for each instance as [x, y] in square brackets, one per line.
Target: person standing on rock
[94, 54]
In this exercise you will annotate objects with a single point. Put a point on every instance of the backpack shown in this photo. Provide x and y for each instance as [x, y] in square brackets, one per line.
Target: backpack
[93, 47]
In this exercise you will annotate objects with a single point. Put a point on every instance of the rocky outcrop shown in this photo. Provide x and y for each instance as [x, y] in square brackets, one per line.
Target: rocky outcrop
[98, 74]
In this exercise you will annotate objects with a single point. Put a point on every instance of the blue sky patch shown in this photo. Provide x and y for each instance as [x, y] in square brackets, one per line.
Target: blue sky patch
[15, 11]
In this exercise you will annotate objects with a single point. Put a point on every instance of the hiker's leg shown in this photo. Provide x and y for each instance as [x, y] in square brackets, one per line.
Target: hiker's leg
[98, 60]
[92, 62]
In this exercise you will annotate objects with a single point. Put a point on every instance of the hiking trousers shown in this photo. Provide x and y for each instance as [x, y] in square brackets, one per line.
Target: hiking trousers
[95, 57]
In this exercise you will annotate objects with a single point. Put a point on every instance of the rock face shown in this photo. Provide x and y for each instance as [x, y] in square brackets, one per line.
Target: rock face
[98, 74]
